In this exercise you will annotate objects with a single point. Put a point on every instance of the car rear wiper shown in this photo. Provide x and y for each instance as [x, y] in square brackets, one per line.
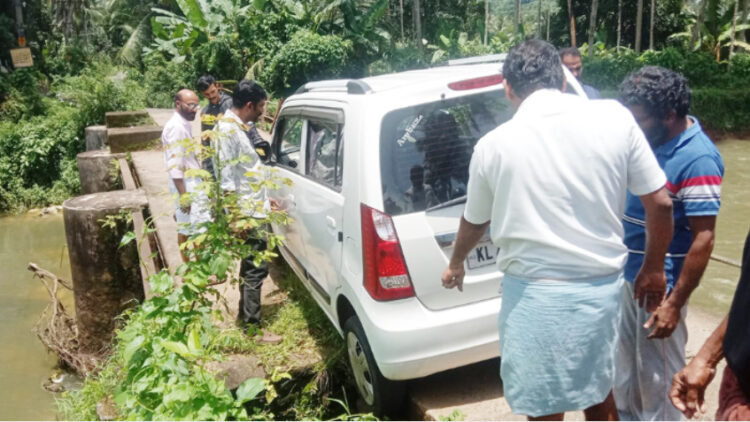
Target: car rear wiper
[454, 201]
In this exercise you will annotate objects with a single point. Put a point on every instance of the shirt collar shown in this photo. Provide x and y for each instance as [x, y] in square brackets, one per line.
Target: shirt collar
[679, 140]
[541, 102]
[230, 114]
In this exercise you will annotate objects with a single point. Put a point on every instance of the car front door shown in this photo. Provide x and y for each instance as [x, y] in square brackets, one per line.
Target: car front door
[315, 199]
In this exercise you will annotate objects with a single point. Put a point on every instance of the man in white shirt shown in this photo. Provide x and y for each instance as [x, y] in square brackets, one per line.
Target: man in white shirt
[248, 105]
[190, 207]
[551, 186]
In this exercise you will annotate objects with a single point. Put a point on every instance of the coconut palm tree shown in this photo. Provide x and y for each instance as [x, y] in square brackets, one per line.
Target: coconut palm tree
[572, 18]
[592, 26]
[638, 25]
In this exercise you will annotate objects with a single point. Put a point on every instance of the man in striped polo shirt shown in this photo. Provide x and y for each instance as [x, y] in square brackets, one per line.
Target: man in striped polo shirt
[652, 346]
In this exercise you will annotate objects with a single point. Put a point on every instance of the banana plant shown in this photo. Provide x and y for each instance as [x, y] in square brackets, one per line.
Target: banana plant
[176, 35]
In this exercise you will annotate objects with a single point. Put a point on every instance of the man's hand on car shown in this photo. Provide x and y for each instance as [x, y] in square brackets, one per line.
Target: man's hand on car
[454, 277]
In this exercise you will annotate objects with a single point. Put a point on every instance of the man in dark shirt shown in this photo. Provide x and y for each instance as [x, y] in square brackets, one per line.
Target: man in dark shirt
[218, 103]
[218, 100]
[571, 58]
[731, 340]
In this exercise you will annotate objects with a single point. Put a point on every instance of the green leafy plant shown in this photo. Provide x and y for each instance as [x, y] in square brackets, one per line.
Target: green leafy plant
[307, 57]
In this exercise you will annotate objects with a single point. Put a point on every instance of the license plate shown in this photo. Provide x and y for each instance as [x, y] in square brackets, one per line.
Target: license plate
[484, 254]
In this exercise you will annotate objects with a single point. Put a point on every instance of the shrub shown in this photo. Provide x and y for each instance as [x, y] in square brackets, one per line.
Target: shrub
[219, 57]
[37, 152]
[163, 78]
[307, 57]
[722, 110]
[606, 70]
[20, 94]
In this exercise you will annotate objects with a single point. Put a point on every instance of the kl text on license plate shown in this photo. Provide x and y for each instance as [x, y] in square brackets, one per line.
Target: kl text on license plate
[485, 253]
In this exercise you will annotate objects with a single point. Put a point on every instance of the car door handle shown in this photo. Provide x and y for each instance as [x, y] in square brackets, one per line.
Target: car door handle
[331, 222]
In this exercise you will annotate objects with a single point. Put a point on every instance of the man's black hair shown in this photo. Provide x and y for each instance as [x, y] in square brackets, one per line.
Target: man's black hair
[658, 90]
[533, 65]
[570, 51]
[204, 82]
[248, 91]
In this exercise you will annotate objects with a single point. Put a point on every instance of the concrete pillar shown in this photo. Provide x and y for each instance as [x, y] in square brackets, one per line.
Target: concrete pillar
[127, 118]
[96, 138]
[128, 139]
[106, 277]
[98, 171]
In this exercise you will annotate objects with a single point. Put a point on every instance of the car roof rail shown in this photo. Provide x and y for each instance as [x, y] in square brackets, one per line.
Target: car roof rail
[490, 58]
[350, 86]
[356, 86]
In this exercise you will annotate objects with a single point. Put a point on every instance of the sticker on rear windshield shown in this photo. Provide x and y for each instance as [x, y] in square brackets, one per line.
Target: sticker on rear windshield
[409, 129]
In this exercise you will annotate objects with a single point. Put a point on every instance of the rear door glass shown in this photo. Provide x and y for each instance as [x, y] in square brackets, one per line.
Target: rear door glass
[425, 150]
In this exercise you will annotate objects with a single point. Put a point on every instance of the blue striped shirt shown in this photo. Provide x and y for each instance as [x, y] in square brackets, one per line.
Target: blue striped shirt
[694, 170]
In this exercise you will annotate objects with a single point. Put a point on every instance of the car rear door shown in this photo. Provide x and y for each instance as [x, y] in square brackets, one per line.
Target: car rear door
[425, 152]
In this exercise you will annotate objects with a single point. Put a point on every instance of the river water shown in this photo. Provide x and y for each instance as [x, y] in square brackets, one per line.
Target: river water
[25, 364]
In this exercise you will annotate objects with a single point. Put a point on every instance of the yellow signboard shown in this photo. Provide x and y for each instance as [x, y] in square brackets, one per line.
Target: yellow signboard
[21, 57]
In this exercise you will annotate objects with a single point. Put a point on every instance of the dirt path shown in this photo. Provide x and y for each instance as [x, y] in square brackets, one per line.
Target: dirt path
[477, 393]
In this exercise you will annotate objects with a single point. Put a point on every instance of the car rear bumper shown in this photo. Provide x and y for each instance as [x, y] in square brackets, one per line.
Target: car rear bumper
[411, 341]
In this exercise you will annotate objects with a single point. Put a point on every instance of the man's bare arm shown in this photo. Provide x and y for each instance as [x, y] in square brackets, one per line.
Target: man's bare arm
[667, 315]
[651, 283]
[467, 237]
[689, 385]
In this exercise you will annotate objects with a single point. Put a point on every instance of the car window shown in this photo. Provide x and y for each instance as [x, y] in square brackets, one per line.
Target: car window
[324, 151]
[289, 142]
[425, 150]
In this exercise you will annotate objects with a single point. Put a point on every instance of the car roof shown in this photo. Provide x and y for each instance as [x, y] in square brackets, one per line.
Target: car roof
[422, 79]
[401, 83]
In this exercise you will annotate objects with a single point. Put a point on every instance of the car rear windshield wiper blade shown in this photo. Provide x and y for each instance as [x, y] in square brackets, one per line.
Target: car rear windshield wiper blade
[454, 201]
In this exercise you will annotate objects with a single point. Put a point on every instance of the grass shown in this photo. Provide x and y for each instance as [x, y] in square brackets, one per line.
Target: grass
[81, 404]
[307, 369]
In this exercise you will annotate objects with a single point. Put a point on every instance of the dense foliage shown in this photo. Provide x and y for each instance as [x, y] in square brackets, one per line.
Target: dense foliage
[40, 135]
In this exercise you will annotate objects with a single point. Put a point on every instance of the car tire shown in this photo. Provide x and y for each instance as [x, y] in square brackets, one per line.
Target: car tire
[381, 396]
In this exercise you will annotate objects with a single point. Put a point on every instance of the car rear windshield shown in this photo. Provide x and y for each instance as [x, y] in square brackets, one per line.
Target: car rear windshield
[425, 150]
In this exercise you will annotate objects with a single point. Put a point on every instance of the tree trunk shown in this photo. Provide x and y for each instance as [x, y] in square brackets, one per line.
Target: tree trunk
[638, 26]
[401, 11]
[539, 19]
[619, 25]
[572, 24]
[651, 26]
[486, 19]
[698, 23]
[517, 18]
[734, 27]
[592, 26]
[743, 18]
[417, 18]
[548, 13]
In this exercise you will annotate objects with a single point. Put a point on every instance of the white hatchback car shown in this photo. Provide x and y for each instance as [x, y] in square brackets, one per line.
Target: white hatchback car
[379, 169]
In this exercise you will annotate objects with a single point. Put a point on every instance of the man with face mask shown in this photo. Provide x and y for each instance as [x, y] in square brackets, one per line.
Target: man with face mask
[652, 347]
[190, 209]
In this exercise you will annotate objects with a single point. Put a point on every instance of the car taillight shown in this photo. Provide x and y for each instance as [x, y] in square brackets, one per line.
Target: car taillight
[385, 274]
[482, 82]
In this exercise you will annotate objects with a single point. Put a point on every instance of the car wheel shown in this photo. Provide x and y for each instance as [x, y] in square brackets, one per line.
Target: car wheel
[380, 395]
